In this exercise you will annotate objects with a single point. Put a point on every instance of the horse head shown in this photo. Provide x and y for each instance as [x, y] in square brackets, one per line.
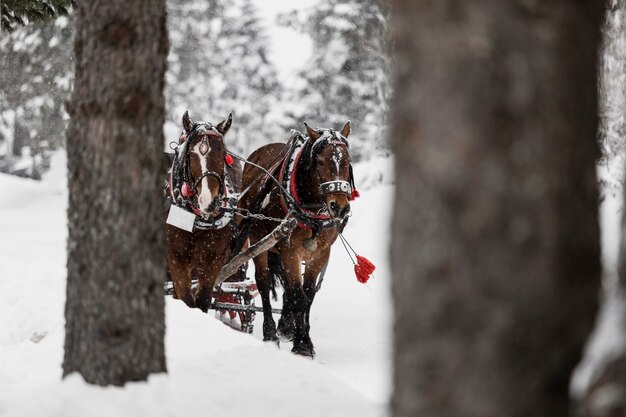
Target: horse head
[207, 154]
[331, 163]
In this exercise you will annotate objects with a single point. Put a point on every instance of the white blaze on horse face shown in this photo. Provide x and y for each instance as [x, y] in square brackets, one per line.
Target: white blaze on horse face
[337, 155]
[204, 197]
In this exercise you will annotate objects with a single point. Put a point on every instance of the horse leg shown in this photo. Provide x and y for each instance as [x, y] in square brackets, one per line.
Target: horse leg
[311, 274]
[263, 282]
[181, 278]
[179, 262]
[206, 281]
[297, 303]
[286, 322]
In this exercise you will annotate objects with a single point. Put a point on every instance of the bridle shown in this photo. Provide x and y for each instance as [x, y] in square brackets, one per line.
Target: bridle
[330, 137]
[205, 130]
[183, 193]
[299, 161]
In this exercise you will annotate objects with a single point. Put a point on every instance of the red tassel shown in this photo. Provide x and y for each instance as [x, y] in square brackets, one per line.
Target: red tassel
[182, 138]
[365, 264]
[363, 269]
[229, 160]
[355, 194]
[361, 275]
[186, 190]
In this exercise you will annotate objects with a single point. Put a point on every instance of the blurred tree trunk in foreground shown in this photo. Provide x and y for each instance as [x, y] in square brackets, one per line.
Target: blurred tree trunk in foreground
[116, 251]
[495, 248]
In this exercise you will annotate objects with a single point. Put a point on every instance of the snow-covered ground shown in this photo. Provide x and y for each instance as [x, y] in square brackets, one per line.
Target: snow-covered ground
[213, 370]
[608, 337]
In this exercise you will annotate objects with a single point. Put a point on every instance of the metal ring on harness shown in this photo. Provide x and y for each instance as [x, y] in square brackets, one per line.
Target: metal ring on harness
[207, 174]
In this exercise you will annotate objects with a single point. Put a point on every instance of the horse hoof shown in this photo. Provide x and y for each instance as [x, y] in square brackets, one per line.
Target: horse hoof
[285, 331]
[204, 308]
[285, 336]
[273, 339]
[306, 351]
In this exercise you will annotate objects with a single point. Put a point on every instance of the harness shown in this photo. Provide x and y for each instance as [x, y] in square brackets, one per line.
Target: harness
[183, 195]
[306, 216]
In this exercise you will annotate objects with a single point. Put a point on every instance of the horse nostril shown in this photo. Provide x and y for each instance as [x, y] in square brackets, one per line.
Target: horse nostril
[334, 207]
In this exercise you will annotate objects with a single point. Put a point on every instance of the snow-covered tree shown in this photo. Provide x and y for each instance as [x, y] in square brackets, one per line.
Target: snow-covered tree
[612, 98]
[36, 75]
[250, 82]
[21, 12]
[218, 64]
[193, 58]
[347, 76]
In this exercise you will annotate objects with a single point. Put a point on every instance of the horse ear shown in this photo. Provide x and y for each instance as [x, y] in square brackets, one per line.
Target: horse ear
[224, 125]
[312, 133]
[345, 130]
[187, 122]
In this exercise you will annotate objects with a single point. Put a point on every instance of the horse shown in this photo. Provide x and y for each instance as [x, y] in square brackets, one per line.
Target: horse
[202, 186]
[315, 185]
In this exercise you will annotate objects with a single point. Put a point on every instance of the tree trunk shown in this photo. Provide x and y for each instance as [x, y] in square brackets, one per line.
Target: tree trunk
[495, 248]
[116, 251]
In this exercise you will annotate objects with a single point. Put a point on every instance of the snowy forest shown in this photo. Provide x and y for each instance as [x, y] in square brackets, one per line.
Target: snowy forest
[323, 207]
[218, 63]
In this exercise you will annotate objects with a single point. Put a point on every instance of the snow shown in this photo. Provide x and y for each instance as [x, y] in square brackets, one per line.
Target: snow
[289, 48]
[212, 369]
[607, 339]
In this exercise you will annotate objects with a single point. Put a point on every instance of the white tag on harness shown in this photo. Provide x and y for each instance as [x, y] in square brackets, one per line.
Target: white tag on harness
[181, 218]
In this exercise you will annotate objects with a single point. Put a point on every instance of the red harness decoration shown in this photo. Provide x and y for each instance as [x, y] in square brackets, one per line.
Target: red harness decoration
[293, 189]
[363, 269]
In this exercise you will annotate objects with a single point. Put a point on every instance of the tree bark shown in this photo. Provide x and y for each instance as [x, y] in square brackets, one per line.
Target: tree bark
[495, 249]
[116, 250]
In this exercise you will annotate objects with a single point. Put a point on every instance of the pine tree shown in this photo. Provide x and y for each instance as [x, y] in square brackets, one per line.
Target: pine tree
[250, 81]
[193, 59]
[612, 105]
[36, 75]
[21, 12]
[219, 64]
[347, 76]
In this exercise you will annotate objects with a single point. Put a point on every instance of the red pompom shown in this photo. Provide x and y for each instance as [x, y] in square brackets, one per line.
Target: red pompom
[363, 269]
[229, 160]
[186, 190]
[355, 194]
[361, 275]
[365, 264]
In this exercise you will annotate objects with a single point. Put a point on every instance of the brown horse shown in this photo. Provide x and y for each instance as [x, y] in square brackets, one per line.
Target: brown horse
[202, 184]
[316, 183]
